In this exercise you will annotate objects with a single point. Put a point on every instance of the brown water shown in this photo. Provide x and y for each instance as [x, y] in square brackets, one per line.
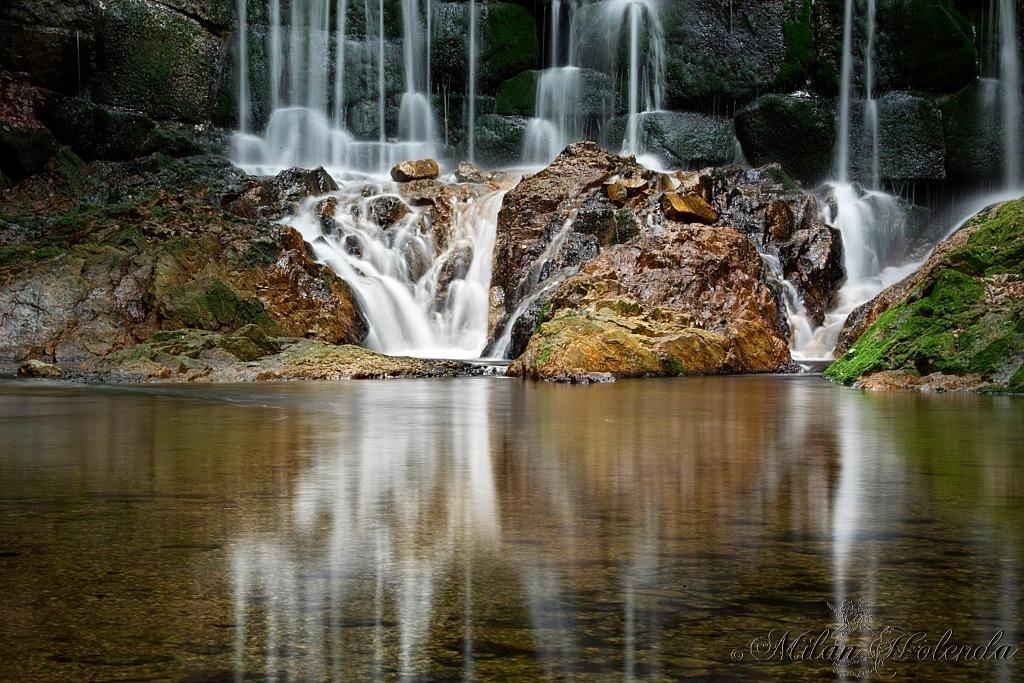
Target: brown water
[491, 529]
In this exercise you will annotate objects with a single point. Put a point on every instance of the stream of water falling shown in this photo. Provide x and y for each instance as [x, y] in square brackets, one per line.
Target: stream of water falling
[419, 299]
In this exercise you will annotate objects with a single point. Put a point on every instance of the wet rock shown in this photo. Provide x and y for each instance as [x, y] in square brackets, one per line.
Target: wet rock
[689, 300]
[539, 215]
[420, 169]
[499, 140]
[681, 139]
[589, 92]
[37, 368]
[797, 131]
[280, 195]
[156, 60]
[96, 132]
[466, 172]
[959, 315]
[687, 208]
[910, 142]
[973, 132]
[812, 259]
[386, 210]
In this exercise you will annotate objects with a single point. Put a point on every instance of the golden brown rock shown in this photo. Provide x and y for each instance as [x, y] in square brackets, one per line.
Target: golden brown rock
[688, 208]
[419, 169]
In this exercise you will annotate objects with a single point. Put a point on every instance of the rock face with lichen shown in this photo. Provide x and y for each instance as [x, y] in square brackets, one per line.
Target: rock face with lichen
[956, 324]
[132, 249]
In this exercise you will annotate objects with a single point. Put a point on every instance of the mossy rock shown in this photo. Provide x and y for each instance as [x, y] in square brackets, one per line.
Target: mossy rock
[793, 130]
[156, 60]
[209, 304]
[924, 45]
[973, 130]
[517, 96]
[964, 314]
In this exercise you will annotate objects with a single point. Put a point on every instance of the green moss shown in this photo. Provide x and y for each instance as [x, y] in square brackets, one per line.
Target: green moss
[797, 38]
[211, 305]
[950, 324]
[510, 35]
[518, 95]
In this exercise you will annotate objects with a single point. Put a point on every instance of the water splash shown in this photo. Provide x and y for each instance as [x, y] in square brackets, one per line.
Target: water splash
[419, 299]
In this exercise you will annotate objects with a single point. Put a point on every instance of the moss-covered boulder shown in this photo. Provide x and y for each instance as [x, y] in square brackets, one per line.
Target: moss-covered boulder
[962, 314]
[499, 140]
[517, 96]
[157, 61]
[797, 131]
[682, 139]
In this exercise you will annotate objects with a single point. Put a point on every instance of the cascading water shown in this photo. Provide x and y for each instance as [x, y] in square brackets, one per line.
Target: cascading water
[1009, 74]
[318, 94]
[561, 115]
[419, 300]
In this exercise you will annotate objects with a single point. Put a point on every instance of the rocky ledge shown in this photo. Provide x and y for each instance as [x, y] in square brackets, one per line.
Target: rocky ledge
[174, 270]
[955, 325]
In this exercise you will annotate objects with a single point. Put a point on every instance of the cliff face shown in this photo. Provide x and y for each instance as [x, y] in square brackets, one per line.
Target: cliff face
[147, 73]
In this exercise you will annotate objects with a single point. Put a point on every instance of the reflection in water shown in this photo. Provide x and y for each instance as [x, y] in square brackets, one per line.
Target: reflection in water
[486, 528]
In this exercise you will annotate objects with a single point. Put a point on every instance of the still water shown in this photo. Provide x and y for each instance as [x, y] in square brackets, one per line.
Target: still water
[490, 529]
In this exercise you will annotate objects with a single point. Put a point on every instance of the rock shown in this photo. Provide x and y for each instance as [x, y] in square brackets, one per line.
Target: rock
[959, 315]
[797, 131]
[508, 43]
[37, 368]
[25, 144]
[973, 132]
[589, 93]
[386, 210]
[96, 132]
[679, 138]
[466, 172]
[421, 169]
[47, 56]
[687, 208]
[541, 207]
[248, 355]
[280, 195]
[812, 259]
[910, 140]
[147, 246]
[155, 60]
[689, 300]
[499, 140]
[225, 105]
[924, 45]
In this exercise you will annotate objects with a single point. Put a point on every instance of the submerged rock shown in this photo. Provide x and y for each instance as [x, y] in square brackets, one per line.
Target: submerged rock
[419, 169]
[959, 315]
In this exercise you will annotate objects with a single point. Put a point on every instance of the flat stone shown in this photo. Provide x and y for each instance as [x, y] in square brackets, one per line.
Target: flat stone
[687, 208]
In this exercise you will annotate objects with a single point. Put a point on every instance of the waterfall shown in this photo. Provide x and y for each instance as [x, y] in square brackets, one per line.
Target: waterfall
[323, 87]
[419, 299]
[871, 223]
[471, 94]
[243, 67]
[1009, 73]
[558, 117]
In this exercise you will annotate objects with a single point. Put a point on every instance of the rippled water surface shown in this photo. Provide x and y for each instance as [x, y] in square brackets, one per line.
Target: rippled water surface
[492, 529]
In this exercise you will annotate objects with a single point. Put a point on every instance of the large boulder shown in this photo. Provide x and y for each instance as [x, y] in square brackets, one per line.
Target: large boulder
[680, 139]
[691, 299]
[157, 61]
[959, 315]
[550, 223]
[797, 131]
[589, 93]
[147, 246]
